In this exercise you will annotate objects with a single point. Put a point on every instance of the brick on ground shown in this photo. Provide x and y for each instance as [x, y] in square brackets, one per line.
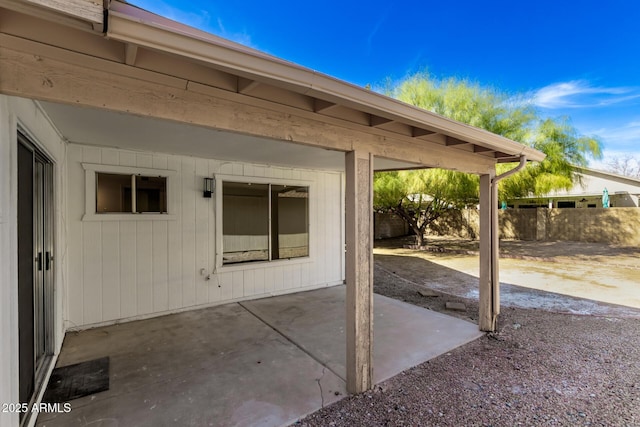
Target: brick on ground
[457, 306]
[427, 293]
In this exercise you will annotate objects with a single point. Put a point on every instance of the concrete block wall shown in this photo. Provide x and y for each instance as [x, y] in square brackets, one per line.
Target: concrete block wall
[618, 226]
[518, 224]
[388, 225]
[463, 223]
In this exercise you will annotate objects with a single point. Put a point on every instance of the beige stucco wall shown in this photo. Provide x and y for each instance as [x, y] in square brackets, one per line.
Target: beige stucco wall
[619, 226]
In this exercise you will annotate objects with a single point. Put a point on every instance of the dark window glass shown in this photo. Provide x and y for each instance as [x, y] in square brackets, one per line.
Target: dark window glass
[151, 194]
[113, 193]
[566, 204]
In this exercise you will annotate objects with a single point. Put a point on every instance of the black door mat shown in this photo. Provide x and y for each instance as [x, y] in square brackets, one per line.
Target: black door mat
[79, 380]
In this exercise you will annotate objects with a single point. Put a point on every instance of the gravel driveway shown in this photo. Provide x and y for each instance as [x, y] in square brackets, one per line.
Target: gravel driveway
[541, 368]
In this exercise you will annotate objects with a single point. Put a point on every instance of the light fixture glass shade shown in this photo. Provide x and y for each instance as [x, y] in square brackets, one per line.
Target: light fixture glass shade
[208, 187]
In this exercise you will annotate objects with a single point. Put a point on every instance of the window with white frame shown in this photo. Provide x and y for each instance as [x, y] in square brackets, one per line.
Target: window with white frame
[264, 222]
[124, 193]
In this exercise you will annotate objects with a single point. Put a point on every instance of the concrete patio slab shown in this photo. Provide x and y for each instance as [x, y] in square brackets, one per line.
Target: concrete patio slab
[219, 366]
[404, 335]
[265, 362]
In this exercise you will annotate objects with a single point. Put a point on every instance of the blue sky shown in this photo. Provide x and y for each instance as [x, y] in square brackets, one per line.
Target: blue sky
[575, 58]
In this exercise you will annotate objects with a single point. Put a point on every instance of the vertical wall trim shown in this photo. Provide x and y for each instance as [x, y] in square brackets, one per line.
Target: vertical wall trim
[9, 383]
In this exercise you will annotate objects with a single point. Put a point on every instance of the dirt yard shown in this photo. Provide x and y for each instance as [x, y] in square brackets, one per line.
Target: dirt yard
[567, 278]
[570, 361]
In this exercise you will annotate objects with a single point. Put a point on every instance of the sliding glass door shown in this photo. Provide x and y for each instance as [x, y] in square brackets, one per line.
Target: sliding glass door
[35, 265]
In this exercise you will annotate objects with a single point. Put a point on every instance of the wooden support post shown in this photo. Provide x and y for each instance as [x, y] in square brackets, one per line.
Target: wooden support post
[359, 270]
[495, 253]
[489, 282]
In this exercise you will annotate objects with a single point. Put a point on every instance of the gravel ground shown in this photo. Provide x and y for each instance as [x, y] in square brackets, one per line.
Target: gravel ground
[540, 368]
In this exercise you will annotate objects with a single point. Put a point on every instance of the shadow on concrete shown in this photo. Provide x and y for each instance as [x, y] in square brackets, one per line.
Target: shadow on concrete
[394, 273]
[266, 362]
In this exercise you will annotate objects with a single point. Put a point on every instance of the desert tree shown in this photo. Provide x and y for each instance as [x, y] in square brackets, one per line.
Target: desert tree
[415, 196]
[420, 197]
[625, 164]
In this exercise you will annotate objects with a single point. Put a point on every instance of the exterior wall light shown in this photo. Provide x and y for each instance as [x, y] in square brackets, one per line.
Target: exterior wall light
[209, 187]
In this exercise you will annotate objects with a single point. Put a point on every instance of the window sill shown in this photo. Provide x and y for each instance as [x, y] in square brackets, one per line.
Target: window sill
[225, 268]
[129, 217]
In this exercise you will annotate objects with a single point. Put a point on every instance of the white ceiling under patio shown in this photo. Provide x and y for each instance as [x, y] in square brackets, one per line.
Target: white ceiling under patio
[91, 126]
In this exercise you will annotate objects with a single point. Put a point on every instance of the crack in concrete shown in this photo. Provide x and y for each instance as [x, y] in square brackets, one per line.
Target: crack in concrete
[320, 385]
[291, 340]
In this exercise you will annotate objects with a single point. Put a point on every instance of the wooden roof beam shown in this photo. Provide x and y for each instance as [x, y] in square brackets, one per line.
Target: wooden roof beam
[88, 81]
[377, 121]
[481, 149]
[322, 106]
[418, 132]
[130, 53]
[246, 85]
[83, 14]
[454, 141]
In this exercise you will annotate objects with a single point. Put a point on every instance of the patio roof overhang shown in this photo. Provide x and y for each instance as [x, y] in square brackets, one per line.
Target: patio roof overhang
[318, 92]
[138, 64]
[160, 64]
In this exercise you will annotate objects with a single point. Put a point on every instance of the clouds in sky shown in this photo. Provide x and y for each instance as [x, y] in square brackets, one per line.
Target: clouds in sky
[624, 138]
[582, 94]
[243, 38]
[197, 18]
[608, 112]
[374, 31]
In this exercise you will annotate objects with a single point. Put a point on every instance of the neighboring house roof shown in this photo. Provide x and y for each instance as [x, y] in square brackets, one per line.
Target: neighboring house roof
[592, 184]
[594, 181]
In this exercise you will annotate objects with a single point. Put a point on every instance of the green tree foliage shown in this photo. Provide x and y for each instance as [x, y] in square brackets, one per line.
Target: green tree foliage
[565, 149]
[418, 197]
[467, 102]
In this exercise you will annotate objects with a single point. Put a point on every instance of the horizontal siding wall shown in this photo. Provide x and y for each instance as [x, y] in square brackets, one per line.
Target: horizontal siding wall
[133, 268]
